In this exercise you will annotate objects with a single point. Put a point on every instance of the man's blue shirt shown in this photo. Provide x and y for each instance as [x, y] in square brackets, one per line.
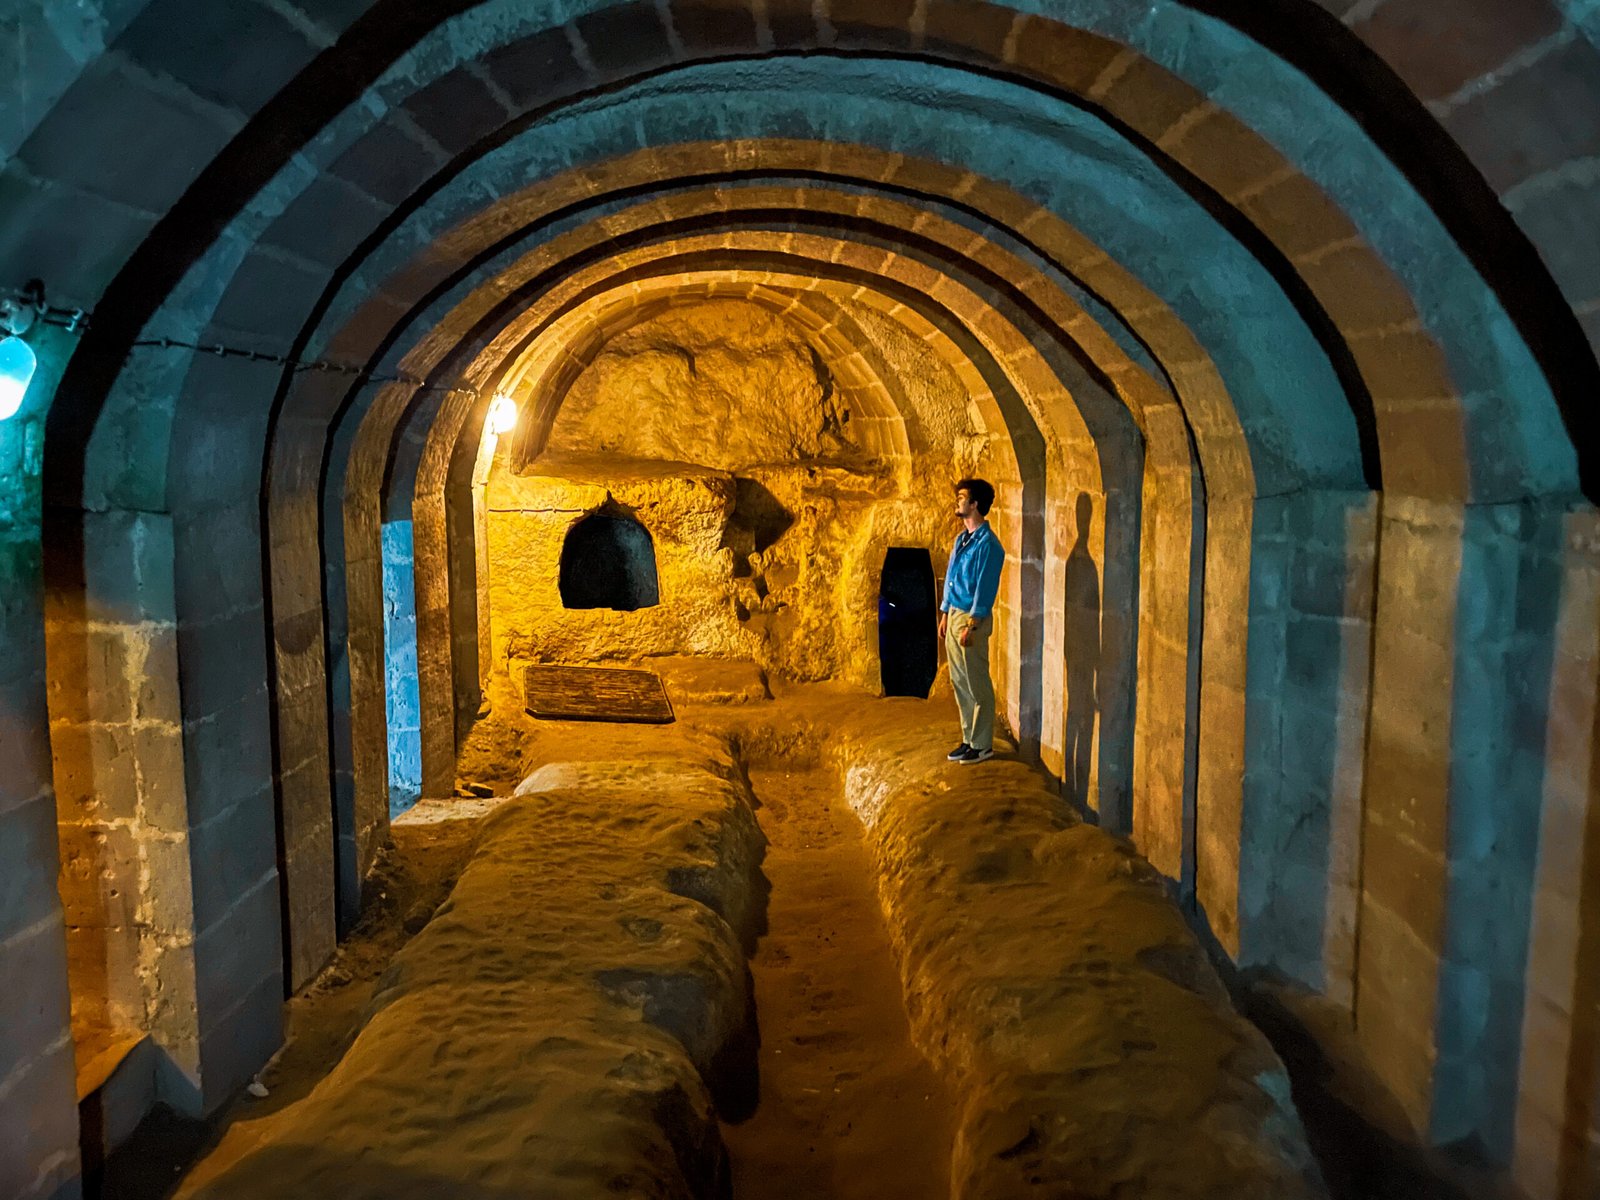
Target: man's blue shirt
[972, 579]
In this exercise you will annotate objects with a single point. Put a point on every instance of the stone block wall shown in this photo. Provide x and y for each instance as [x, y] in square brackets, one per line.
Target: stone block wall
[361, 699]
[117, 746]
[1087, 741]
[1515, 568]
[167, 826]
[1171, 576]
[1559, 1055]
[1426, 230]
[1509, 85]
[38, 1109]
[1309, 664]
[1219, 799]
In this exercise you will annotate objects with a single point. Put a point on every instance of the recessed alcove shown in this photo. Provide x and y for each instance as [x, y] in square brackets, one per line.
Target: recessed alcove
[609, 561]
[758, 520]
[908, 649]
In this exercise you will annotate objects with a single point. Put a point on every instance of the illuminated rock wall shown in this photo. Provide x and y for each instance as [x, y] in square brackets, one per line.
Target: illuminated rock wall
[718, 428]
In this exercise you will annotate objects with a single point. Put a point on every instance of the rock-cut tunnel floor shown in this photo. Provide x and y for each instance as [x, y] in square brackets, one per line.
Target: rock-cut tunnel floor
[848, 1109]
[777, 949]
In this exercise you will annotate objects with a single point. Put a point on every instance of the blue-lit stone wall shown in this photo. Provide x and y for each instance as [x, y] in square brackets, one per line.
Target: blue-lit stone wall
[400, 667]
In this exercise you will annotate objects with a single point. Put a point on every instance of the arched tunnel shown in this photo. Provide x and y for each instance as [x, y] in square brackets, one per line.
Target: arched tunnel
[367, 366]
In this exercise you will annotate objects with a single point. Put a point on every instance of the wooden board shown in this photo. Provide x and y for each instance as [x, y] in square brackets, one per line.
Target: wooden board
[595, 694]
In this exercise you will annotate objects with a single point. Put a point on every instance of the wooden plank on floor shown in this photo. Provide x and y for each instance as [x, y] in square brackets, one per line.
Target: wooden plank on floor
[560, 693]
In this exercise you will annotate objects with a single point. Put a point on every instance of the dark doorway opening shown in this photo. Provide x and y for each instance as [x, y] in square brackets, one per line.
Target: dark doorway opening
[608, 561]
[908, 645]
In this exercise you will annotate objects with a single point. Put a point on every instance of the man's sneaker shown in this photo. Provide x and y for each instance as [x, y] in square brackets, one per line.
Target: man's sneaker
[959, 753]
[975, 755]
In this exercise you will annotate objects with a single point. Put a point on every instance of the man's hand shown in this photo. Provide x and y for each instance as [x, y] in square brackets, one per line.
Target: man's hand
[966, 632]
[944, 622]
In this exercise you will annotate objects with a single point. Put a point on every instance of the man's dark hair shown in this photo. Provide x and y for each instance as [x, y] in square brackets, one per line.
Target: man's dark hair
[980, 491]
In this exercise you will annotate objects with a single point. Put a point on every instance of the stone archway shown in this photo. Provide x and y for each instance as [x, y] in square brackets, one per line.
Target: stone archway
[1427, 215]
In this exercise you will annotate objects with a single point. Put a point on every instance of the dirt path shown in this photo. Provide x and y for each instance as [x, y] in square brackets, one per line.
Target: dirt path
[848, 1108]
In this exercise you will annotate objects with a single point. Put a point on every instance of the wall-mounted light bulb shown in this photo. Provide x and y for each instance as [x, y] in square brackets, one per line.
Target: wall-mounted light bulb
[502, 414]
[17, 365]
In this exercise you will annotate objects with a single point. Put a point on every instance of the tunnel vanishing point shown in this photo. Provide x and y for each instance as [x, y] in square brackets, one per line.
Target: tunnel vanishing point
[381, 349]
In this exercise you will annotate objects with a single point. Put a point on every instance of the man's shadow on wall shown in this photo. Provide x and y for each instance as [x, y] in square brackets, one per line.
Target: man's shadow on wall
[1083, 656]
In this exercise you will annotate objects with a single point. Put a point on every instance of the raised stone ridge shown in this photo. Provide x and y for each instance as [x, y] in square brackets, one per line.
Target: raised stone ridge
[550, 1032]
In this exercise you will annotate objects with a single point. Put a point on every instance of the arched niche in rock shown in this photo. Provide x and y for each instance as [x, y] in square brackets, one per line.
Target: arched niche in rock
[608, 560]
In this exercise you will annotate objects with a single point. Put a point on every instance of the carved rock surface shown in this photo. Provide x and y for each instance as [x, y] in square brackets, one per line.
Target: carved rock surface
[1051, 979]
[724, 383]
[559, 1026]
[551, 1031]
[779, 570]
[721, 430]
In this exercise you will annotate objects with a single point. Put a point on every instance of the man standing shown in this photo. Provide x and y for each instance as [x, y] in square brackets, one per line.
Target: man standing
[966, 616]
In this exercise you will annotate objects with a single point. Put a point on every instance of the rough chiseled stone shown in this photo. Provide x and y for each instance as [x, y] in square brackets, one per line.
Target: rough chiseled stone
[1052, 980]
[552, 1029]
[718, 429]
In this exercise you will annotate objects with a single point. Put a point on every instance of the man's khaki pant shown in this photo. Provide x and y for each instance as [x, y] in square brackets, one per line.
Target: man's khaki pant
[969, 676]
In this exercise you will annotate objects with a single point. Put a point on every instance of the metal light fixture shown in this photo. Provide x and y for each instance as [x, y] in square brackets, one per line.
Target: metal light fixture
[17, 359]
[502, 414]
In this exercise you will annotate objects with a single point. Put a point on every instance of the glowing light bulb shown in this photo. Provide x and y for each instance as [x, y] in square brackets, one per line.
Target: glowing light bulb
[502, 414]
[17, 364]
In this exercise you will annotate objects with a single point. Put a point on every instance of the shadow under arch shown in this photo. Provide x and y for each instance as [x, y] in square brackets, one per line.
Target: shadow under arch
[1083, 652]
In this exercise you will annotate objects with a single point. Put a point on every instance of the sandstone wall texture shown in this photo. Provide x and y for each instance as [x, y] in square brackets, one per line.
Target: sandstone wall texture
[768, 530]
[724, 384]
